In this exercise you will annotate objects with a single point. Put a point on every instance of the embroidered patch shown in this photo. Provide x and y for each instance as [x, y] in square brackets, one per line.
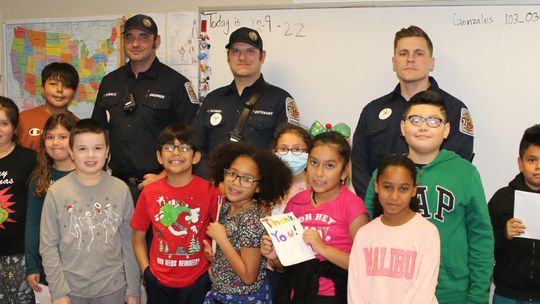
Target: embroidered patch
[34, 132]
[293, 116]
[385, 113]
[215, 119]
[191, 93]
[466, 123]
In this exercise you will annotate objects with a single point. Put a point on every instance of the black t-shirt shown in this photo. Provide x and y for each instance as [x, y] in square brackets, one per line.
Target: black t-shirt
[15, 168]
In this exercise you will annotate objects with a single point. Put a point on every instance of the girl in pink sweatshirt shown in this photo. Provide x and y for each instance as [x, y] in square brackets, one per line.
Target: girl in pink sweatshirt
[395, 258]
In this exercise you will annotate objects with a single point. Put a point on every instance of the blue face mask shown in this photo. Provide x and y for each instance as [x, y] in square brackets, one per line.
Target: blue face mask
[297, 163]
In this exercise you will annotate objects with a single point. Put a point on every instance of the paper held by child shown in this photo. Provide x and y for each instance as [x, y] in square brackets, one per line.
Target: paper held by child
[286, 233]
[526, 208]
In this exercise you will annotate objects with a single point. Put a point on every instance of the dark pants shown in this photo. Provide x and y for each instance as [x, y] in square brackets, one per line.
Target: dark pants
[159, 294]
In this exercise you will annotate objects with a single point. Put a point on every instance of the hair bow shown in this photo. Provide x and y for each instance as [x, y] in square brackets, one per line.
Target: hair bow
[318, 128]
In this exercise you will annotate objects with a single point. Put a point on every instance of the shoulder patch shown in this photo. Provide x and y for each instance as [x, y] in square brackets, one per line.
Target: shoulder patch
[466, 123]
[293, 116]
[191, 93]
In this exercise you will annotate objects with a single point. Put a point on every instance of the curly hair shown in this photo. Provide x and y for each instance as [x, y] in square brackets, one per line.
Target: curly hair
[42, 173]
[276, 178]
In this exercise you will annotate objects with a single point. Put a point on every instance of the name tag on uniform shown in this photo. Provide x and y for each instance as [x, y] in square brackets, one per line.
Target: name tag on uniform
[260, 112]
[156, 95]
[110, 94]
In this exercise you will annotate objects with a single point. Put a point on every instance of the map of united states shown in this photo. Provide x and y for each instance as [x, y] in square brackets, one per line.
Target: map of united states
[32, 50]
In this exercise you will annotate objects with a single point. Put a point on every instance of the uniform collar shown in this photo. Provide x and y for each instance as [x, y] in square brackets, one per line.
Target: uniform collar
[231, 88]
[151, 73]
[432, 86]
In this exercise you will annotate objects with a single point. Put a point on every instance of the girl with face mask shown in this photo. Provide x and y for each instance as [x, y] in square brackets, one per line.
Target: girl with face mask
[291, 144]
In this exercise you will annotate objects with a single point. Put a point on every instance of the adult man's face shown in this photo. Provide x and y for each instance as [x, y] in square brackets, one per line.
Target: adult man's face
[140, 46]
[245, 60]
[412, 59]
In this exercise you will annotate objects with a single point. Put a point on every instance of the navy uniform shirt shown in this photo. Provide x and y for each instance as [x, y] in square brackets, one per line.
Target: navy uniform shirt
[221, 109]
[162, 96]
[378, 133]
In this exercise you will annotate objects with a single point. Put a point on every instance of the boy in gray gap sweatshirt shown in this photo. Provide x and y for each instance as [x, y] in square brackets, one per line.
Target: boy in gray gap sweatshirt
[85, 240]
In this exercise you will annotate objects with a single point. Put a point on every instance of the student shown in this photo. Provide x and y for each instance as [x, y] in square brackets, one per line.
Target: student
[517, 260]
[16, 165]
[179, 208]
[85, 240]
[221, 116]
[252, 179]
[378, 131]
[54, 163]
[291, 144]
[395, 257]
[331, 214]
[59, 81]
[450, 196]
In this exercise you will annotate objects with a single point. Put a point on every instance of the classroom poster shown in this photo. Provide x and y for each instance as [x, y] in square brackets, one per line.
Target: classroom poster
[286, 233]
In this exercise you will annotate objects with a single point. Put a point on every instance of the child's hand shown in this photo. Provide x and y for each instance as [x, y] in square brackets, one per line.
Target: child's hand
[313, 238]
[62, 300]
[216, 231]
[267, 248]
[148, 179]
[208, 253]
[132, 300]
[33, 282]
[514, 227]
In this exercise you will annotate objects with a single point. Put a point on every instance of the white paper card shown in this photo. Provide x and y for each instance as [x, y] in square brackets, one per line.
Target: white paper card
[527, 208]
[44, 296]
[286, 233]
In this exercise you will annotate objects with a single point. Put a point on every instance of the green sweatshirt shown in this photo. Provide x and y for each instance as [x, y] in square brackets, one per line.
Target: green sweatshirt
[451, 196]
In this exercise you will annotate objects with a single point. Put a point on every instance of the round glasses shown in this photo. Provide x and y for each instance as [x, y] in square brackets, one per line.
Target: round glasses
[431, 121]
[181, 147]
[282, 150]
[245, 180]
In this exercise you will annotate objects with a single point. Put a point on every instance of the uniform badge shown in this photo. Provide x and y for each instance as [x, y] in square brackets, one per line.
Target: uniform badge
[147, 22]
[191, 93]
[215, 119]
[385, 113]
[252, 36]
[293, 116]
[466, 123]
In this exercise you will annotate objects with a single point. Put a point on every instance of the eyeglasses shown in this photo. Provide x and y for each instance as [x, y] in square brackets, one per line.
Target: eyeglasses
[432, 122]
[282, 150]
[245, 180]
[181, 147]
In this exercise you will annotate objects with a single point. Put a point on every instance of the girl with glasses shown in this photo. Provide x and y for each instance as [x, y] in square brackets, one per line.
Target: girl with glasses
[252, 180]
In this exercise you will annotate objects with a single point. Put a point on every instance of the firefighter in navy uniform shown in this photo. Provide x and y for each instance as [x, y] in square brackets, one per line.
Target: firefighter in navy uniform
[137, 101]
[217, 120]
[378, 131]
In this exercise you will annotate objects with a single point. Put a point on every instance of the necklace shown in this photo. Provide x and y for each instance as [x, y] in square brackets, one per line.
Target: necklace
[7, 150]
[241, 209]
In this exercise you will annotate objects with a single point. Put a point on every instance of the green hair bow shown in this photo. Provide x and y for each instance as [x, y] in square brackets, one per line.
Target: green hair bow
[318, 128]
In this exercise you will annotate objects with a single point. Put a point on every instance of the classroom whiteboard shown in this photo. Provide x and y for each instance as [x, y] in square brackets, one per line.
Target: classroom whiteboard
[334, 61]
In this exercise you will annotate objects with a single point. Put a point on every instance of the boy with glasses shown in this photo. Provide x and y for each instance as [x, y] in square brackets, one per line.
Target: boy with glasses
[178, 207]
[451, 196]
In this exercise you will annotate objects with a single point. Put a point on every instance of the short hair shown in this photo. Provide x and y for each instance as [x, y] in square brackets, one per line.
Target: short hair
[63, 72]
[395, 160]
[427, 98]
[276, 177]
[12, 111]
[183, 133]
[413, 31]
[531, 137]
[286, 128]
[87, 125]
[333, 138]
